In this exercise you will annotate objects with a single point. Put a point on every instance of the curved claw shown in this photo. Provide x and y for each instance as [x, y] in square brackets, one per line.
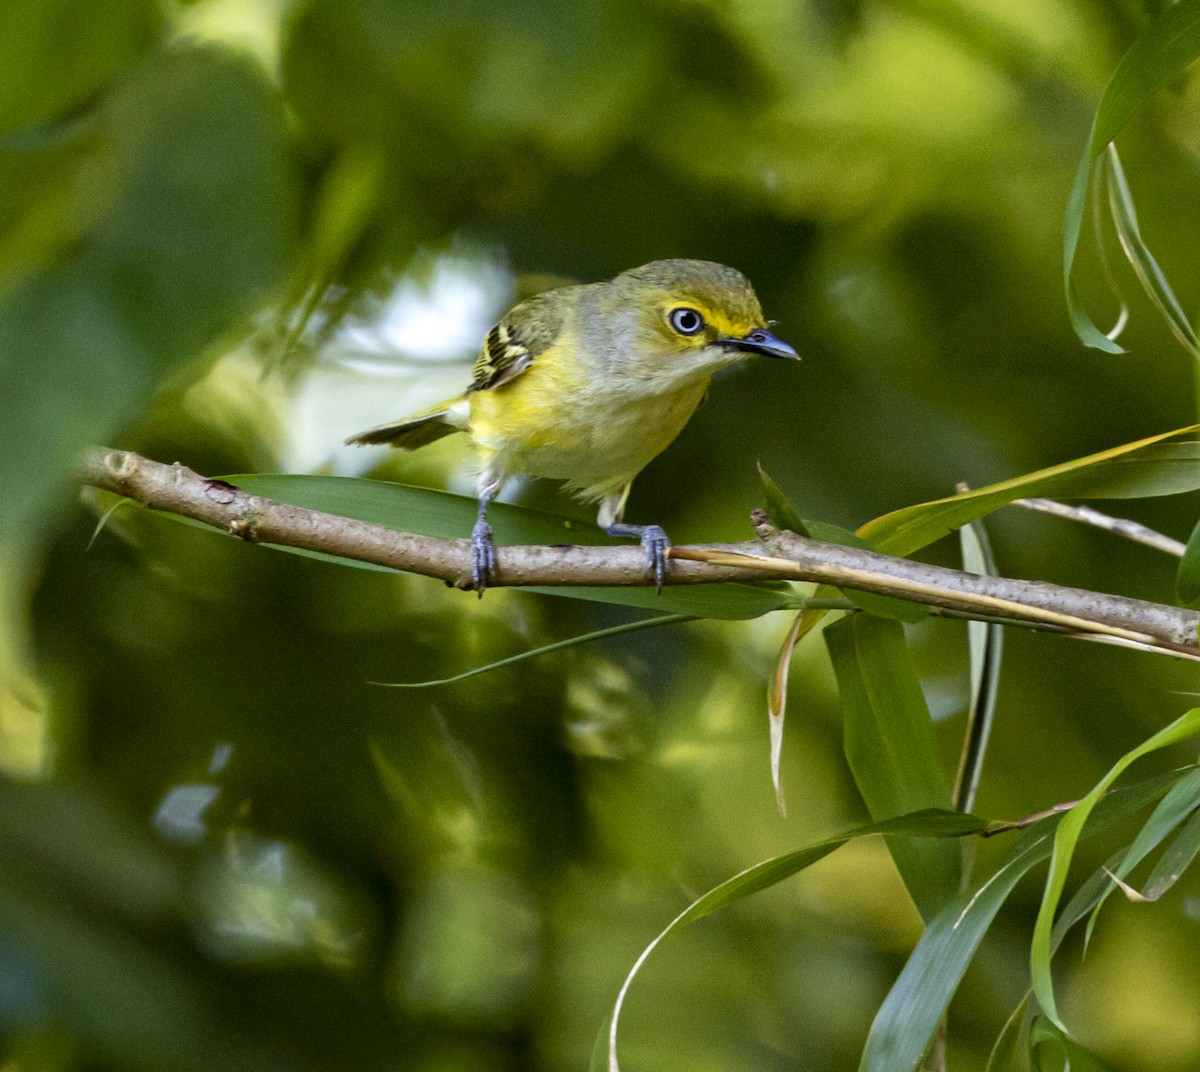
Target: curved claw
[483, 556]
[655, 543]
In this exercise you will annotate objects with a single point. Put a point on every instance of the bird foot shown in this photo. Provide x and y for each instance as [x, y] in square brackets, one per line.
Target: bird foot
[656, 545]
[483, 556]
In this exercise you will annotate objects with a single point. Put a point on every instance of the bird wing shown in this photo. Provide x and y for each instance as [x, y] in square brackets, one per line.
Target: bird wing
[530, 329]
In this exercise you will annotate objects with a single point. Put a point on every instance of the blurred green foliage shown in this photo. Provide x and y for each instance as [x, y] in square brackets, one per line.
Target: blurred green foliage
[221, 846]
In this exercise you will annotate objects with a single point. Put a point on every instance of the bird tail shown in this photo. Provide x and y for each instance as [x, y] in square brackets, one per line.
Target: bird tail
[420, 429]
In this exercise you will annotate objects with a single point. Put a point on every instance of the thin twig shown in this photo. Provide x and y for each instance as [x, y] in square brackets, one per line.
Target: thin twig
[1118, 526]
[1007, 826]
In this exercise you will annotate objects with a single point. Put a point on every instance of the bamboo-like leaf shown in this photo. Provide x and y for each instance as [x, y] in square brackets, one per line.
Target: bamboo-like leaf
[1142, 469]
[1187, 577]
[1154, 281]
[1172, 810]
[1159, 54]
[891, 749]
[985, 646]
[1175, 860]
[777, 697]
[1066, 838]
[779, 510]
[928, 823]
[1004, 1052]
[1052, 1050]
[914, 1007]
[545, 649]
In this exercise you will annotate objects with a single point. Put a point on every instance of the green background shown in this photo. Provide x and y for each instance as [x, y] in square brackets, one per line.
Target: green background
[221, 846]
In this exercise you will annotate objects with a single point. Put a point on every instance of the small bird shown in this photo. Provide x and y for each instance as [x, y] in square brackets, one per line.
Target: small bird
[586, 384]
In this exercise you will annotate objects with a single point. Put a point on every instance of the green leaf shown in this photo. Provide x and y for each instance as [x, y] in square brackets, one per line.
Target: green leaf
[1187, 577]
[779, 510]
[559, 645]
[891, 749]
[928, 823]
[1052, 1050]
[985, 648]
[1142, 469]
[914, 1007]
[1160, 54]
[1065, 840]
[1180, 802]
[1154, 281]
[55, 54]
[1004, 1052]
[446, 516]
[176, 251]
[1177, 858]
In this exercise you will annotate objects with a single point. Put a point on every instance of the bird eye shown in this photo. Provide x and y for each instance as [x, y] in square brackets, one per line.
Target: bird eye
[685, 320]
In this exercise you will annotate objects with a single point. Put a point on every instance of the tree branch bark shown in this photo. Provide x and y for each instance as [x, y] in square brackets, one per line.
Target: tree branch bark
[779, 555]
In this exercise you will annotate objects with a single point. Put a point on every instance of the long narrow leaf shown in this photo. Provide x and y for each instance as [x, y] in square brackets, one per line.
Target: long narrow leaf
[545, 649]
[1004, 1052]
[1052, 1050]
[1175, 860]
[1153, 279]
[985, 647]
[1066, 838]
[891, 749]
[1160, 53]
[1180, 802]
[914, 1007]
[930, 823]
[1146, 467]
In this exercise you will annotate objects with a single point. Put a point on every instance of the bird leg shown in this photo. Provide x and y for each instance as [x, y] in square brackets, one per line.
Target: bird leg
[653, 540]
[483, 546]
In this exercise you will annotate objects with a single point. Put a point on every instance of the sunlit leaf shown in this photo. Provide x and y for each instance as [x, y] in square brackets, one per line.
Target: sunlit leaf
[1144, 468]
[891, 748]
[1067, 837]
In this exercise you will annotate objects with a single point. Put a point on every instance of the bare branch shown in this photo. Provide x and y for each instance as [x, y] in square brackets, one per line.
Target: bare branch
[175, 488]
[1118, 526]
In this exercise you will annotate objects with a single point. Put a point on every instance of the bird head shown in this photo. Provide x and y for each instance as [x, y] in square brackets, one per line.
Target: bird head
[692, 317]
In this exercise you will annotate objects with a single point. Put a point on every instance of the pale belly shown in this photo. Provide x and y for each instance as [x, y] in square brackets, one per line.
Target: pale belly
[595, 440]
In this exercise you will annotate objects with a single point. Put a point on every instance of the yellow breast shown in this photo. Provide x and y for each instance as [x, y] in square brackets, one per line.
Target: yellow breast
[595, 433]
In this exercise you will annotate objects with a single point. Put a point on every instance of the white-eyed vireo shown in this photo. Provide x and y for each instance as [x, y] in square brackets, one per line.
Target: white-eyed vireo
[587, 383]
